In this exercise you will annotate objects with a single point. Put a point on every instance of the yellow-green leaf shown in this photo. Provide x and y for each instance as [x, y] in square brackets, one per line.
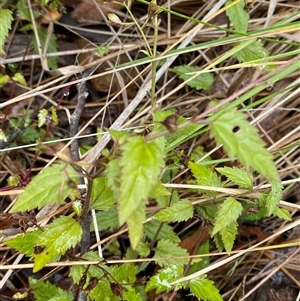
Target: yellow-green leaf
[50, 186]
[229, 212]
[240, 139]
[238, 16]
[62, 234]
[42, 117]
[167, 249]
[228, 234]
[47, 291]
[135, 225]
[19, 78]
[54, 115]
[164, 276]
[282, 213]
[3, 78]
[238, 176]
[25, 243]
[141, 164]
[252, 52]
[102, 195]
[204, 289]
[274, 197]
[159, 191]
[180, 211]
[155, 229]
[201, 81]
[107, 219]
[101, 50]
[205, 176]
[6, 19]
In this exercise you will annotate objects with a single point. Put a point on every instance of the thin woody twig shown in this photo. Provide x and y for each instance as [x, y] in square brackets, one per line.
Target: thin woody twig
[74, 147]
[75, 117]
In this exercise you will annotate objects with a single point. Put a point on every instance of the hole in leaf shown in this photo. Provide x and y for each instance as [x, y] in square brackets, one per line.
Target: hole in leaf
[38, 249]
[236, 129]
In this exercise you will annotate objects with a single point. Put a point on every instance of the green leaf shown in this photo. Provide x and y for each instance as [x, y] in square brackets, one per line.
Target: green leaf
[209, 212]
[161, 281]
[59, 236]
[141, 164]
[201, 82]
[52, 46]
[25, 243]
[204, 289]
[107, 219]
[23, 11]
[3, 78]
[101, 50]
[102, 196]
[178, 212]
[12, 67]
[252, 52]
[135, 225]
[159, 116]
[54, 115]
[6, 19]
[50, 186]
[159, 191]
[262, 200]
[130, 294]
[46, 291]
[167, 249]
[77, 271]
[31, 134]
[143, 249]
[168, 200]
[43, 113]
[125, 273]
[228, 234]
[241, 140]
[238, 16]
[103, 292]
[229, 212]
[238, 176]
[112, 173]
[114, 248]
[205, 176]
[19, 78]
[282, 213]
[164, 231]
[13, 179]
[119, 136]
[219, 242]
[274, 197]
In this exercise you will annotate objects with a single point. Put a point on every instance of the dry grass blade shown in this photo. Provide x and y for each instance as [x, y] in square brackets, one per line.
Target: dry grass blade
[150, 64]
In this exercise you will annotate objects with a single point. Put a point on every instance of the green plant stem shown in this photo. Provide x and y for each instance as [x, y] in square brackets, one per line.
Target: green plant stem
[151, 52]
[140, 29]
